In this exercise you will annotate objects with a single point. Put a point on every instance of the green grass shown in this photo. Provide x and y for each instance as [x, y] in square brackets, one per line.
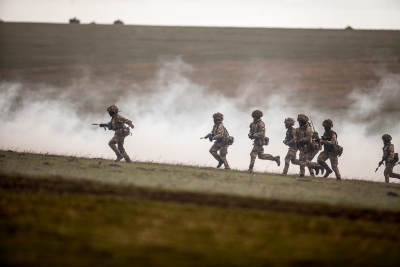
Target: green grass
[353, 193]
[68, 211]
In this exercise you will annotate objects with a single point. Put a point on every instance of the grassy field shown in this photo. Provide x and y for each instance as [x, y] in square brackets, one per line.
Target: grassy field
[314, 62]
[67, 211]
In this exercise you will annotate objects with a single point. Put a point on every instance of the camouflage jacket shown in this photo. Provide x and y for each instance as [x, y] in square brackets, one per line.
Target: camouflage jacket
[330, 141]
[118, 122]
[303, 136]
[219, 132]
[257, 129]
[388, 152]
[290, 133]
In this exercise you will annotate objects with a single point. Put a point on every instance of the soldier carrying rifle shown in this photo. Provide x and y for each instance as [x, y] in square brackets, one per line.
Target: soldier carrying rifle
[222, 141]
[117, 124]
[389, 158]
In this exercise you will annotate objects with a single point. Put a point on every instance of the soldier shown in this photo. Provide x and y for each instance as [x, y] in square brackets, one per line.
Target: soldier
[220, 135]
[303, 138]
[314, 149]
[117, 124]
[389, 158]
[291, 154]
[330, 152]
[257, 132]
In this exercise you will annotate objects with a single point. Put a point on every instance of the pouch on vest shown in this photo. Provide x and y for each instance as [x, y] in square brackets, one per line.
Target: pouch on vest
[396, 157]
[266, 141]
[231, 139]
[339, 150]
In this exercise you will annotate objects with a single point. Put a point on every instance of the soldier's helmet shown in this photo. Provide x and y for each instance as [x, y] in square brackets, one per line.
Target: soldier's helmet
[327, 123]
[302, 117]
[113, 108]
[289, 121]
[386, 137]
[257, 113]
[218, 116]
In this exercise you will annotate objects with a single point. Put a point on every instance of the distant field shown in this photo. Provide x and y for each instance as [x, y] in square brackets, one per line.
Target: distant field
[68, 211]
[319, 62]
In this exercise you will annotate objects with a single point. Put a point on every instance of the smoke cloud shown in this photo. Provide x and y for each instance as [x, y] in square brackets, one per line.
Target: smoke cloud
[171, 112]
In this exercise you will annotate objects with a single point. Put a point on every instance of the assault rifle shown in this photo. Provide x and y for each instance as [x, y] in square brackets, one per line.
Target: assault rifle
[104, 125]
[379, 164]
[208, 136]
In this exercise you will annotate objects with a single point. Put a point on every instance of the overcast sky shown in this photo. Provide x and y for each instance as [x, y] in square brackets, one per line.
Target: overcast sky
[360, 14]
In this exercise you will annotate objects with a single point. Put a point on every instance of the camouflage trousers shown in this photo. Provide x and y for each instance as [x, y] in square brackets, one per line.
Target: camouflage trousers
[118, 139]
[333, 158]
[304, 159]
[389, 172]
[311, 156]
[258, 150]
[290, 157]
[223, 151]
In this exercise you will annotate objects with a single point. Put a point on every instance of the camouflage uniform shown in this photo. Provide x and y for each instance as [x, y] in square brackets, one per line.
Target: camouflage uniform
[117, 124]
[330, 150]
[220, 135]
[303, 138]
[388, 158]
[257, 132]
[315, 148]
[291, 154]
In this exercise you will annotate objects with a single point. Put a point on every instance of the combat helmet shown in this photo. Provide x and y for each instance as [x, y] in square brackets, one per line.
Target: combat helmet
[327, 123]
[112, 109]
[218, 116]
[386, 138]
[302, 117]
[257, 113]
[289, 121]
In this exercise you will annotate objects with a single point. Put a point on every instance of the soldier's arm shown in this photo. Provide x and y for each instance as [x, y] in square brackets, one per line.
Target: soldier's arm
[391, 153]
[294, 140]
[220, 132]
[261, 131]
[126, 121]
[308, 137]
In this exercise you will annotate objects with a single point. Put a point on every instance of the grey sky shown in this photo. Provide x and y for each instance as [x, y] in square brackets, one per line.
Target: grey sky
[360, 14]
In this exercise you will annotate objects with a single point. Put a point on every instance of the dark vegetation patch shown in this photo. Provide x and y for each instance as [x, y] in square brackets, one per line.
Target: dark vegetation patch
[392, 194]
[114, 165]
[46, 163]
[19, 183]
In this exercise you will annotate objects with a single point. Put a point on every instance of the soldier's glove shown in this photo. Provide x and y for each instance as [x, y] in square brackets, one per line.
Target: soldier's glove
[131, 126]
[285, 142]
[210, 138]
[251, 136]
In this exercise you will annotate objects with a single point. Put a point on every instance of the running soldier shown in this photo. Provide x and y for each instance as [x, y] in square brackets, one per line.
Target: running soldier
[257, 133]
[303, 138]
[389, 157]
[291, 154]
[329, 140]
[221, 137]
[117, 124]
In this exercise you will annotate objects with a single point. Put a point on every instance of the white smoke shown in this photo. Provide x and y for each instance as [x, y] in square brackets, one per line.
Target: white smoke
[171, 113]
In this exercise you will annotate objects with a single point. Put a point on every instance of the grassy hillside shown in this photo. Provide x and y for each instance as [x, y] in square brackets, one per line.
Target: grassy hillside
[68, 211]
[324, 62]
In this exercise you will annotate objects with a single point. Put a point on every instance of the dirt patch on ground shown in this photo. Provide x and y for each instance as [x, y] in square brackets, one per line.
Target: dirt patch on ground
[52, 185]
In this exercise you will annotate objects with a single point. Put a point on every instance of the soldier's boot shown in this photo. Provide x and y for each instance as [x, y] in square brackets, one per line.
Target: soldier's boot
[319, 168]
[220, 164]
[277, 159]
[338, 178]
[126, 156]
[119, 157]
[250, 170]
[328, 171]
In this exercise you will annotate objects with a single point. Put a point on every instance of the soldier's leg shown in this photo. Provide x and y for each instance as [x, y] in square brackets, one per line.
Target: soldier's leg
[290, 157]
[321, 161]
[223, 152]
[214, 151]
[122, 149]
[388, 171]
[263, 156]
[303, 162]
[253, 155]
[112, 143]
[334, 163]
